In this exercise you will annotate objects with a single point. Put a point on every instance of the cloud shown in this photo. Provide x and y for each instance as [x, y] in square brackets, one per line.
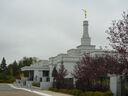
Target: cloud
[44, 28]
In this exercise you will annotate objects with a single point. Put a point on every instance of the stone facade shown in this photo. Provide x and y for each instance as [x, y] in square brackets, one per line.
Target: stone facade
[69, 59]
[117, 84]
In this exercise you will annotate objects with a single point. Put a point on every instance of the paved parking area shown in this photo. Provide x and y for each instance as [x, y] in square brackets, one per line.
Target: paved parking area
[6, 90]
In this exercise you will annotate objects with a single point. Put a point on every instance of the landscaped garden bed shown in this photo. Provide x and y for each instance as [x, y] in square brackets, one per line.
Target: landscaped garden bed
[76, 92]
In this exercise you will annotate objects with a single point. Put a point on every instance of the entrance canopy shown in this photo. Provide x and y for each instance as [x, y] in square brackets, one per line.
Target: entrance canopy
[28, 68]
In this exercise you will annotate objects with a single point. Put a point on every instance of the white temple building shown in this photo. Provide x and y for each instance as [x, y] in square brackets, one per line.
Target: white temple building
[42, 71]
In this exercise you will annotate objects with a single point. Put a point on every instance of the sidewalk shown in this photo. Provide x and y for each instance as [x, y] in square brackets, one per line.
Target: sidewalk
[42, 92]
[54, 93]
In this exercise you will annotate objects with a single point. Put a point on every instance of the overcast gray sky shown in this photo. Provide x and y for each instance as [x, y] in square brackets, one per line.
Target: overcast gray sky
[44, 28]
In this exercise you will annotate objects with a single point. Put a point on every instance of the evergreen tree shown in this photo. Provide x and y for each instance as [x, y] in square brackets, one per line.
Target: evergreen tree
[15, 68]
[3, 64]
[26, 61]
[11, 72]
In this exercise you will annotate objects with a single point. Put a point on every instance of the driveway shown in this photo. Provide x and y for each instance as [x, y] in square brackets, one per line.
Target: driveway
[6, 90]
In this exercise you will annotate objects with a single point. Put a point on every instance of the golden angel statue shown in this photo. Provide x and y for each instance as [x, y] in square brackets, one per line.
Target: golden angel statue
[85, 13]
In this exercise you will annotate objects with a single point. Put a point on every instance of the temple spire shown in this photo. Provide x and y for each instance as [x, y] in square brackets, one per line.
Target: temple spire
[85, 13]
[85, 40]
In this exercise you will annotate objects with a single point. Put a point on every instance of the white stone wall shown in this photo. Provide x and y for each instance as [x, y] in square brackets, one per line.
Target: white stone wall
[113, 84]
[37, 75]
[45, 85]
[71, 57]
[117, 85]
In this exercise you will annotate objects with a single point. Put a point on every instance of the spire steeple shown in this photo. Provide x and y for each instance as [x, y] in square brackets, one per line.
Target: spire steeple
[85, 40]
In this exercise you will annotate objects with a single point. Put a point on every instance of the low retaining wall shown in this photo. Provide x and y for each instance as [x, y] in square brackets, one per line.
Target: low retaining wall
[29, 84]
[45, 85]
[23, 81]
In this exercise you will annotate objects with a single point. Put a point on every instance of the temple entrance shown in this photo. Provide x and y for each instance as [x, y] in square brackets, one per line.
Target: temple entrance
[31, 75]
[46, 75]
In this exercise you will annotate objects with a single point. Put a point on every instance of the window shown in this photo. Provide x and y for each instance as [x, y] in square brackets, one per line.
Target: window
[45, 73]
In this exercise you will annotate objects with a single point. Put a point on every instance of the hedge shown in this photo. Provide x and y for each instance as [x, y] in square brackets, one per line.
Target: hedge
[126, 91]
[76, 92]
[9, 79]
[97, 93]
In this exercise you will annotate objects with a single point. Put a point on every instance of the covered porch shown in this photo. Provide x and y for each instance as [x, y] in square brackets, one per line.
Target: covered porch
[37, 73]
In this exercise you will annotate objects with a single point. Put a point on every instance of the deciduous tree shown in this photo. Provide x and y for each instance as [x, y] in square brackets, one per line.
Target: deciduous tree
[60, 80]
[90, 69]
[118, 37]
[118, 34]
[54, 75]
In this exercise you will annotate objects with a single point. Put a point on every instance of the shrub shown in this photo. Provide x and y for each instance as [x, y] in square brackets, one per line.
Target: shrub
[99, 87]
[97, 93]
[126, 91]
[55, 89]
[50, 88]
[69, 91]
[108, 93]
[63, 90]
[9, 79]
[37, 84]
[89, 93]
[76, 92]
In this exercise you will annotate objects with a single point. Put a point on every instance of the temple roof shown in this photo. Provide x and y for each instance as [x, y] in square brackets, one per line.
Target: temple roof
[43, 67]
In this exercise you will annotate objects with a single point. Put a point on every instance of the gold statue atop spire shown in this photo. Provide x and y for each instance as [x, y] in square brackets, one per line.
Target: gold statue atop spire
[85, 13]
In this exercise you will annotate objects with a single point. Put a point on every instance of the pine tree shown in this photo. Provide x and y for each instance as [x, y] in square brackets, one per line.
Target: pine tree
[15, 68]
[3, 64]
[11, 71]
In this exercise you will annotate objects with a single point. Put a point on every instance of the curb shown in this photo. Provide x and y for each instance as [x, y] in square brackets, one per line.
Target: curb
[36, 92]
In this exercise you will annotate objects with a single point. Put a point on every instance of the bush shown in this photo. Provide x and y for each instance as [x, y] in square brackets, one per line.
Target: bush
[89, 93]
[73, 92]
[109, 93]
[126, 91]
[8, 79]
[76, 92]
[50, 88]
[63, 90]
[37, 84]
[53, 89]
[69, 91]
[56, 90]
[97, 93]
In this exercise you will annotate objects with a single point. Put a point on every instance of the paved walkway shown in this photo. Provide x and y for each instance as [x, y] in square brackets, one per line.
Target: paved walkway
[54, 93]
